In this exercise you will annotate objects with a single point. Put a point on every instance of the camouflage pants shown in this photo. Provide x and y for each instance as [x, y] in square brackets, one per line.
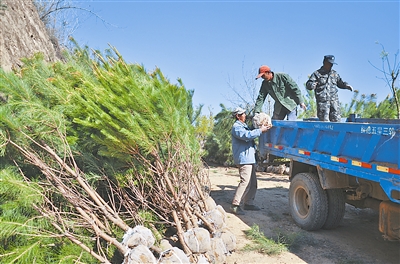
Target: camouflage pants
[328, 111]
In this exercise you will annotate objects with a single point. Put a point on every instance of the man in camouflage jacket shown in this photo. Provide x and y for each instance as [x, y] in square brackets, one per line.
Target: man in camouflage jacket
[325, 82]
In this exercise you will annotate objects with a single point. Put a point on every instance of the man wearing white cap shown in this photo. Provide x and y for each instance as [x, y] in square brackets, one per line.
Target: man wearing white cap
[283, 90]
[243, 148]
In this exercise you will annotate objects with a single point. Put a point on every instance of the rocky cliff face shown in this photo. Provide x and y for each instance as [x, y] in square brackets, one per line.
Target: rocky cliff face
[22, 34]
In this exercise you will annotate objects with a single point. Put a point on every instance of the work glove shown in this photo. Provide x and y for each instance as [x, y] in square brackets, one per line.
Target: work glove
[349, 87]
[314, 85]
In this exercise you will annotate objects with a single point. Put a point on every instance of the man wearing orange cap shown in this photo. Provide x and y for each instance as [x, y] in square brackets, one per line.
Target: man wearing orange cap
[283, 90]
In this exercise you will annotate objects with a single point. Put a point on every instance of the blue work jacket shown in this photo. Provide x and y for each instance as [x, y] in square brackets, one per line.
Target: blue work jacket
[243, 145]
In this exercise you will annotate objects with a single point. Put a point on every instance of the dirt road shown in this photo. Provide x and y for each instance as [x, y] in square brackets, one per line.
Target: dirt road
[357, 239]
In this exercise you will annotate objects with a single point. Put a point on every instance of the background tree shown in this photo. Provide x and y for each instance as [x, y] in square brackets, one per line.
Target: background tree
[366, 106]
[390, 74]
[309, 101]
[218, 144]
[204, 125]
[61, 18]
[245, 94]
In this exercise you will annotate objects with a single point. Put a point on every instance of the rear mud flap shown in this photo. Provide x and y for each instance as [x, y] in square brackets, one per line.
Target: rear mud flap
[389, 220]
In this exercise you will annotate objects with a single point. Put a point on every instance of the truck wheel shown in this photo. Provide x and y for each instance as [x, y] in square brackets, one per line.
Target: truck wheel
[308, 201]
[336, 208]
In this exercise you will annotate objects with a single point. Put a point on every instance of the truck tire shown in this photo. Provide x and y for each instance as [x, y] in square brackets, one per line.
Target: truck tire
[308, 201]
[336, 208]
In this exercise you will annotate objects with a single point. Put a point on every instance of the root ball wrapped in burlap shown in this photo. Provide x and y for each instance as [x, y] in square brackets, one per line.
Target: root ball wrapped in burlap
[197, 240]
[216, 218]
[140, 254]
[173, 255]
[260, 119]
[139, 235]
[218, 250]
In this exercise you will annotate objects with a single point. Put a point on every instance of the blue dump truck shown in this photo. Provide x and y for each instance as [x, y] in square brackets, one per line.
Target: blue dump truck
[331, 164]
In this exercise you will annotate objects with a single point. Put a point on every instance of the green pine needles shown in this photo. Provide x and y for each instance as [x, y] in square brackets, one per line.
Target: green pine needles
[26, 236]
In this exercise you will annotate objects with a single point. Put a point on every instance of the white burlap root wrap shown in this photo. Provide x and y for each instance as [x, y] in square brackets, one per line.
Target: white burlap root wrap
[261, 119]
[210, 203]
[139, 235]
[218, 250]
[216, 217]
[197, 240]
[140, 254]
[173, 255]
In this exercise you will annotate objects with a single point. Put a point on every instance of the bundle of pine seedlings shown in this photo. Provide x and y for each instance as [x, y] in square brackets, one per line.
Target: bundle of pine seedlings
[102, 146]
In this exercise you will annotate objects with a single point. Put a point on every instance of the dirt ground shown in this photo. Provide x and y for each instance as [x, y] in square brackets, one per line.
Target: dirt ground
[357, 239]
